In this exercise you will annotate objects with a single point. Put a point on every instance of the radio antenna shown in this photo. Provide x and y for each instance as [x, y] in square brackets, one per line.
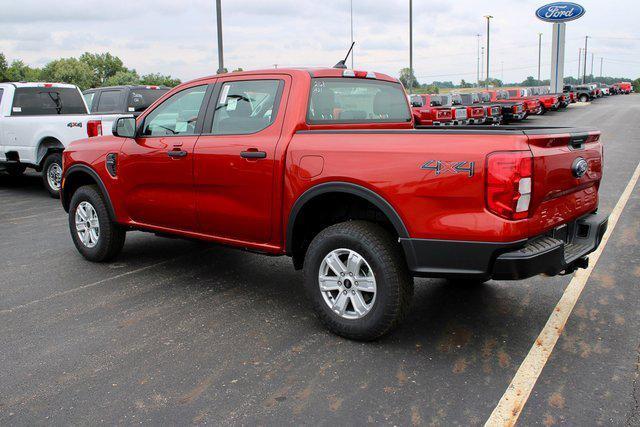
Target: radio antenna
[342, 62]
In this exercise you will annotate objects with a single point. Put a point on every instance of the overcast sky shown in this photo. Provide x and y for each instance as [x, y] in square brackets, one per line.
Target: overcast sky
[177, 37]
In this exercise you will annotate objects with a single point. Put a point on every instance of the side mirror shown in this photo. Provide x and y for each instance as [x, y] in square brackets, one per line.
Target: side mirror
[124, 127]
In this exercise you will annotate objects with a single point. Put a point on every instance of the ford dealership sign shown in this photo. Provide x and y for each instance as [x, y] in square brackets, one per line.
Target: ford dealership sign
[560, 12]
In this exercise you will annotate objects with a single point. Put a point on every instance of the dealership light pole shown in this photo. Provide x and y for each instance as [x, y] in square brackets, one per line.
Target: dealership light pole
[539, 53]
[478, 61]
[592, 55]
[579, 61]
[488, 29]
[410, 46]
[482, 63]
[219, 20]
[352, 53]
[584, 65]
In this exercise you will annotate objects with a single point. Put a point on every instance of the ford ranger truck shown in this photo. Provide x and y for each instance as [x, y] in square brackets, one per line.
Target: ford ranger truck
[460, 117]
[625, 87]
[532, 104]
[37, 121]
[325, 166]
[512, 110]
[492, 113]
[494, 110]
[476, 114]
[428, 111]
[118, 100]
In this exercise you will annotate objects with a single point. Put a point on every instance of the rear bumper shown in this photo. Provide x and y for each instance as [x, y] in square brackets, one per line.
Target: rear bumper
[562, 250]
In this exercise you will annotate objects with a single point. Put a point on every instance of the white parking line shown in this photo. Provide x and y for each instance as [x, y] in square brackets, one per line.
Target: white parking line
[510, 406]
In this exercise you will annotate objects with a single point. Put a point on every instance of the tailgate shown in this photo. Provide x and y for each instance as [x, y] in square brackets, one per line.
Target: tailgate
[567, 169]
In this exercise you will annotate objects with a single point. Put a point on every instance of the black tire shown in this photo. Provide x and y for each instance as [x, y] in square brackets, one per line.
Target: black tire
[53, 160]
[584, 98]
[393, 281]
[111, 235]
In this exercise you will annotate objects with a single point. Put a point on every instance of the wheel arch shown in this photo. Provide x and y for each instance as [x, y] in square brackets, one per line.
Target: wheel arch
[77, 176]
[343, 189]
[46, 145]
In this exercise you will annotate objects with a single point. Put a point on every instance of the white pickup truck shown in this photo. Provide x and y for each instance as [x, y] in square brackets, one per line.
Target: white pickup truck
[37, 122]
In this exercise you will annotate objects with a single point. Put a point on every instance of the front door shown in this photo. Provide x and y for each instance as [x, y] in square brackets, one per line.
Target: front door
[156, 168]
[235, 158]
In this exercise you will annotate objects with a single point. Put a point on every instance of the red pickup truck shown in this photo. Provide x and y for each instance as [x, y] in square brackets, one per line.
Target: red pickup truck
[428, 111]
[532, 103]
[324, 165]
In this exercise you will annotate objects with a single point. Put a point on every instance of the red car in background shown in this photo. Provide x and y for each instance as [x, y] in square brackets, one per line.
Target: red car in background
[512, 110]
[476, 114]
[625, 87]
[493, 112]
[427, 110]
[532, 104]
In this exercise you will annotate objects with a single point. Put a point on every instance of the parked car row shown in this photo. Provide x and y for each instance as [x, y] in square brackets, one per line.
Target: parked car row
[39, 120]
[503, 106]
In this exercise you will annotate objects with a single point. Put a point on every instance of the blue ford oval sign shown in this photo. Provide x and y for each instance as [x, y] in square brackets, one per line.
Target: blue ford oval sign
[560, 12]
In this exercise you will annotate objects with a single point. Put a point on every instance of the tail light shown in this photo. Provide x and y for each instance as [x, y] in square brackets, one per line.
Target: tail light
[508, 185]
[94, 128]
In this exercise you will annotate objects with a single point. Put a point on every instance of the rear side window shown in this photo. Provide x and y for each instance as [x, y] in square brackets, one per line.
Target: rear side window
[354, 100]
[140, 99]
[109, 101]
[37, 101]
[245, 107]
[88, 98]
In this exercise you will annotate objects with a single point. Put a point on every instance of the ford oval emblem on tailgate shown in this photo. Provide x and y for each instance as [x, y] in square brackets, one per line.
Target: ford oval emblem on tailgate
[560, 12]
[579, 167]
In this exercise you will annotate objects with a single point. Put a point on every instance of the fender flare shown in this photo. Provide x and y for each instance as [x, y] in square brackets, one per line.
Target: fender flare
[348, 188]
[79, 168]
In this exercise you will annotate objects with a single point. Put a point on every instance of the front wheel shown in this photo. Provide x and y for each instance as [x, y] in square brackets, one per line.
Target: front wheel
[52, 174]
[96, 236]
[357, 280]
[584, 98]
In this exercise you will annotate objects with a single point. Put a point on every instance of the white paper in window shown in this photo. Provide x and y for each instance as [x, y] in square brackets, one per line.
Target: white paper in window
[223, 95]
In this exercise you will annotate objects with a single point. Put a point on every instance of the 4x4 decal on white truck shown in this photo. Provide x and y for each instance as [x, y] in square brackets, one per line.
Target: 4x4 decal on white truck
[440, 166]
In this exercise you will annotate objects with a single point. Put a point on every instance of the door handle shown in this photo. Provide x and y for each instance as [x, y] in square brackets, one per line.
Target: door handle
[176, 154]
[253, 154]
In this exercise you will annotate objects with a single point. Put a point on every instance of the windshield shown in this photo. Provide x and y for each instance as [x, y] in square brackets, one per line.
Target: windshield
[32, 101]
[140, 99]
[354, 100]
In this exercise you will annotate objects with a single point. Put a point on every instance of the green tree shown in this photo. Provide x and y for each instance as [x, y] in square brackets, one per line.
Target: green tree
[128, 77]
[408, 79]
[3, 67]
[103, 66]
[158, 79]
[69, 70]
[18, 71]
[491, 82]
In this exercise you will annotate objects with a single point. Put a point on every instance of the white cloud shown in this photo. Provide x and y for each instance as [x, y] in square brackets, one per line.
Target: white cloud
[178, 37]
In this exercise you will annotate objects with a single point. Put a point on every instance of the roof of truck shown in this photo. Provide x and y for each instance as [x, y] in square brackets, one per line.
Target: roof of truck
[38, 84]
[312, 71]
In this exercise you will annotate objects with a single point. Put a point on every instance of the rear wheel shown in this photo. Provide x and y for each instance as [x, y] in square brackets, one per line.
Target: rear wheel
[584, 98]
[52, 174]
[357, 280]
[96, 236]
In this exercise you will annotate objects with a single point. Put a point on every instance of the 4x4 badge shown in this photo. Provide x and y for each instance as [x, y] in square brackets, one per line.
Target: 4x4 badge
[440, 166]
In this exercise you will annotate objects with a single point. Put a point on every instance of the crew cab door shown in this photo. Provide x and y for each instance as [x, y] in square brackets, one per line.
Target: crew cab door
[155, 170]
[235, 158]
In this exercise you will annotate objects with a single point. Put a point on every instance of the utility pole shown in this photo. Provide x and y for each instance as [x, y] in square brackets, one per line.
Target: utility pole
[592, 55]
[482, 63]
[579, 61]
[478, 61]
[410, 46]
[219, 20]
[601, 60]
[352, 53]
[539, 53]
[584, 69]
[488, 29]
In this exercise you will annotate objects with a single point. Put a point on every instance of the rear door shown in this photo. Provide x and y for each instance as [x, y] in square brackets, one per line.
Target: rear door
[235, 157]
[156, 168]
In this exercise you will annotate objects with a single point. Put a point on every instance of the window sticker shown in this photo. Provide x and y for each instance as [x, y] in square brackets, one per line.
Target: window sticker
[17, 109]
[223, 95]
[131, 109]
[232, 104]
[181, 127]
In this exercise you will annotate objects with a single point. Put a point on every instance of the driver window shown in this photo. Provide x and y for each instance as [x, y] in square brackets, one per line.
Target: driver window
[177, 115]
[245, 107]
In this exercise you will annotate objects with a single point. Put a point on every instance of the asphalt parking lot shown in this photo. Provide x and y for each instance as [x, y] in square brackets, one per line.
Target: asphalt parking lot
[178, 332]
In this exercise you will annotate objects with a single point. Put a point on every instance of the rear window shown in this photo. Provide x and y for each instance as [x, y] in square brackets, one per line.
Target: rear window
[36, 101]
[353, 100]
[140, 99]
